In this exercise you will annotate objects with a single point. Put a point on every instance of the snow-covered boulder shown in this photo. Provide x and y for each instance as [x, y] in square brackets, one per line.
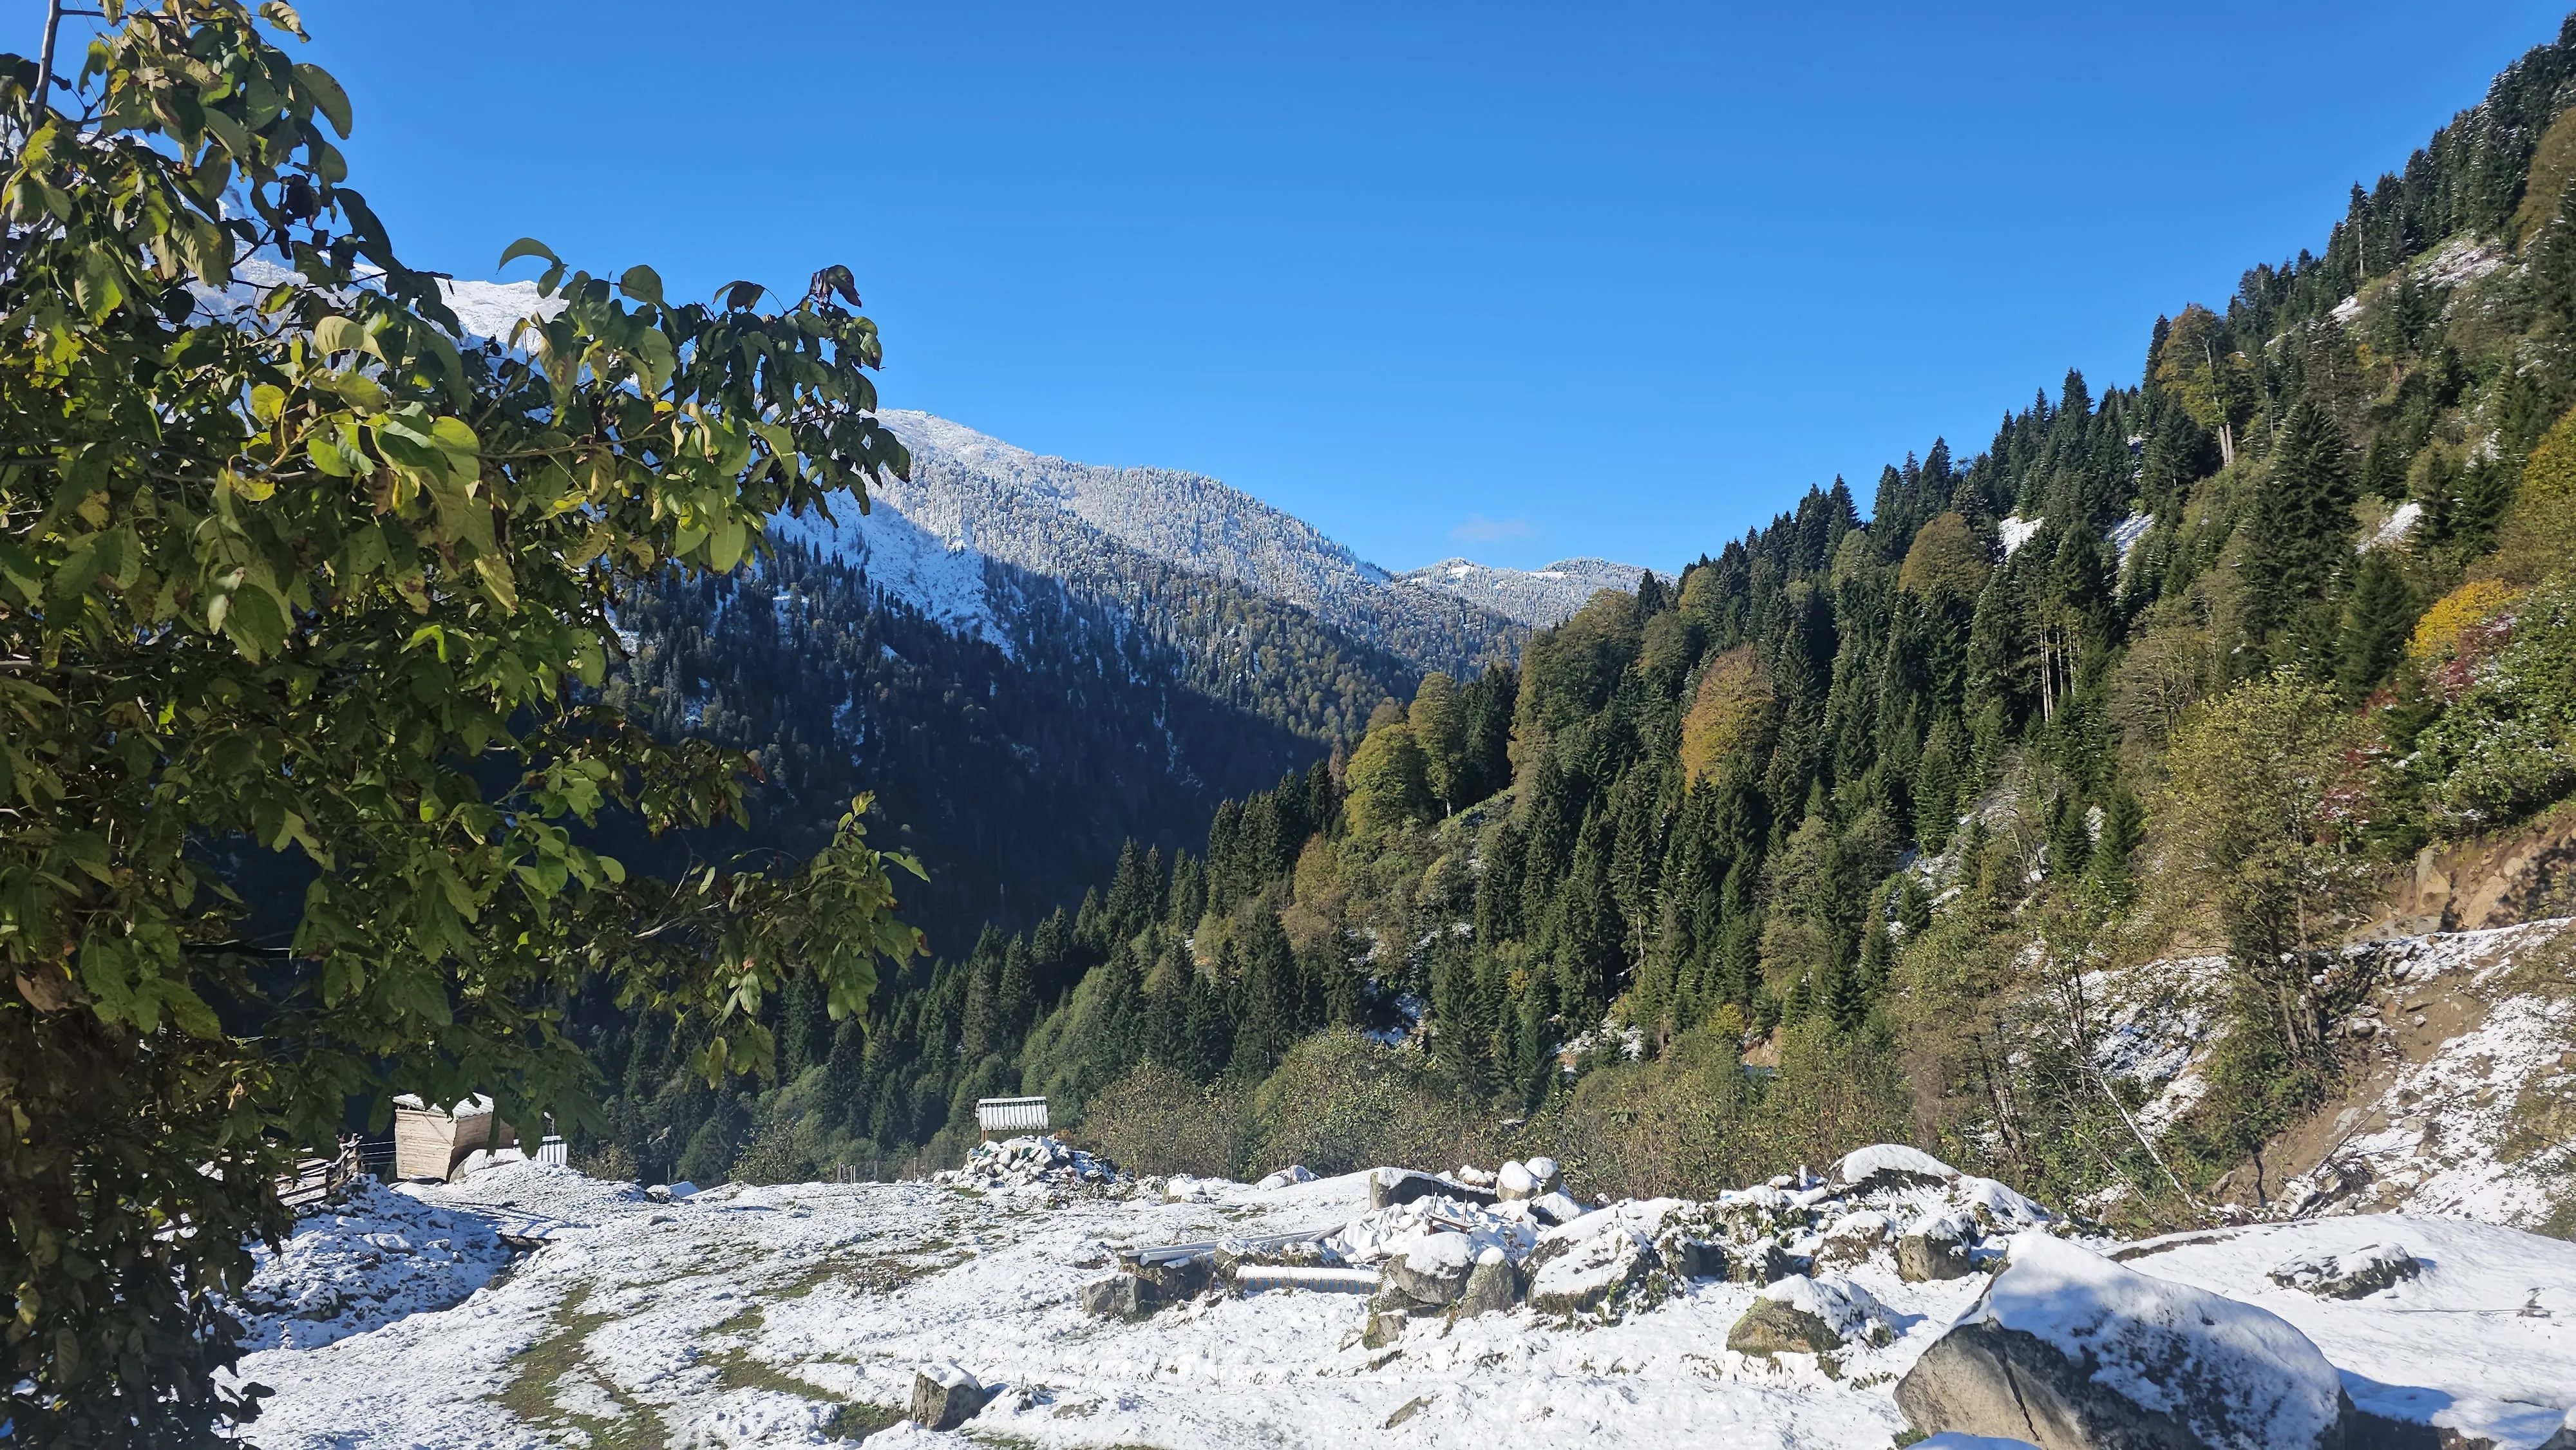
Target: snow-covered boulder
[1890, 1165]
[945, 1396]
[1599, 1273]
[2073, 1352]
[1557, 1207]
[1492, 1286]
[1294, 1173]
[1534, 1179]
[1802, 1315]
[1937, 1248]
[2357, 1274]
[1432, 1270]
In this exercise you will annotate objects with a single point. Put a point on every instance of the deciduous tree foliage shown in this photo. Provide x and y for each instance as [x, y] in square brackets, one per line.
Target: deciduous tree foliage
[289, 569]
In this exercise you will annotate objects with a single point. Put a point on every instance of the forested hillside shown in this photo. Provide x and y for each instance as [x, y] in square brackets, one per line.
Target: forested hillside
[1813, 845]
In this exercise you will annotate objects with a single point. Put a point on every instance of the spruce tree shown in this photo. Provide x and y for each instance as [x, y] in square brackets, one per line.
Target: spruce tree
[2377, 621]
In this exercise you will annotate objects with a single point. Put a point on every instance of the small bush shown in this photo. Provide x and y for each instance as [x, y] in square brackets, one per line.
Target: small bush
[1340, 1102]
[1155, 1120]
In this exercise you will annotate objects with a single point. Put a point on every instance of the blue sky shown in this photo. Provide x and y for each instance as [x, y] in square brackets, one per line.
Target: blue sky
[1514, 282]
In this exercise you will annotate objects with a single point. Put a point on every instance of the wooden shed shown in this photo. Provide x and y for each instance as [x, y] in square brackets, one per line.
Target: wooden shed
[430, 1142]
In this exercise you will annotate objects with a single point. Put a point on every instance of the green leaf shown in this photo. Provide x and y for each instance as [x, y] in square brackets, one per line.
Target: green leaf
[328, 98]
[526, 247]
[642, 284]
[340, 334]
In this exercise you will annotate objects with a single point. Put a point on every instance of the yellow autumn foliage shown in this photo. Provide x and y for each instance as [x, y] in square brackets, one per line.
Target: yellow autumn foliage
[1732, 707]
[2471, 604]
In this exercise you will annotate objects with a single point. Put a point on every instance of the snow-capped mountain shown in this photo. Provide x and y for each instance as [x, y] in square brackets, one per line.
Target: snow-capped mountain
[1535, 597]
[1088, 525]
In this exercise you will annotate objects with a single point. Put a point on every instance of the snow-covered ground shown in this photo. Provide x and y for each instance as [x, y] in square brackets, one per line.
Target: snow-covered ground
[787, 1315]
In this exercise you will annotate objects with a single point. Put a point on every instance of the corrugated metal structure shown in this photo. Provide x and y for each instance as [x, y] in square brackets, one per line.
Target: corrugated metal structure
[1011, 1115]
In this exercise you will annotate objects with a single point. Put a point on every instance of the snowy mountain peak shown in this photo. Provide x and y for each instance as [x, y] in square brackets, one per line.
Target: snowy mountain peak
[1536, 597]
[1094, 528]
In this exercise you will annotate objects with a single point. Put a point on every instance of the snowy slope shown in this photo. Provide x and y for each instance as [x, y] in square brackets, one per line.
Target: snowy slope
[1537, 597]
[943, 578]
[1075, 522]
[773, 1316]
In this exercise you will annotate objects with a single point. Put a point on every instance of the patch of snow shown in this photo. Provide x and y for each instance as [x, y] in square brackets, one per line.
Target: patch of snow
[2400, 524]
[907, 561]
[373, 1256]
[2016, 532]
[1860, 1164]
[2125, 534]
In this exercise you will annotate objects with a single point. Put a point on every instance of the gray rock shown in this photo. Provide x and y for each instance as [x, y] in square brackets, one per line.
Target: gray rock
[1120, 1296]
[1385, 1326]
[1771, 1327]
[1493, 1286]
[1696, 1258]
[1174, 1282]
[1432, 1283]
[1602, 1272]
[1764, 1263]
[1984, 1379]
[945, 1397]
[1939, 1250]
[2356, 1275]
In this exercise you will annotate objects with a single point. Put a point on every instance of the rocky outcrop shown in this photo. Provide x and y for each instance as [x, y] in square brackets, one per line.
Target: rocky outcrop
[2355, 1275]
[1493, 1286]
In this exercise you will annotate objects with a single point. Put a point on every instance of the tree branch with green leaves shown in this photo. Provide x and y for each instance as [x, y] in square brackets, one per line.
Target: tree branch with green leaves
[291, 564]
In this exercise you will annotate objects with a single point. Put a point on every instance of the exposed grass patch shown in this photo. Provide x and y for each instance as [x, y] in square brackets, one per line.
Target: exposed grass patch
[558, 1357]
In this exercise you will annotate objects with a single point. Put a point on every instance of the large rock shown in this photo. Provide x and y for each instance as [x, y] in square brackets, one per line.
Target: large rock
[2355, 1275]
[1178, 1280]
[1812, 1316]
[1937, 1248]
[1432, 1272]
[1493, 1286]
[1141, 1288]
[945, 1396]
[2070, 1351]
[1601, 1273]
[1534, 1179]
[1120, 1296]
[1771, 1327]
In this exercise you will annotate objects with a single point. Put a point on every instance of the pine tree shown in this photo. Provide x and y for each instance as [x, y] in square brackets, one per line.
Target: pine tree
[2301, 529]
[1272, 1015]
[2376, 623]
